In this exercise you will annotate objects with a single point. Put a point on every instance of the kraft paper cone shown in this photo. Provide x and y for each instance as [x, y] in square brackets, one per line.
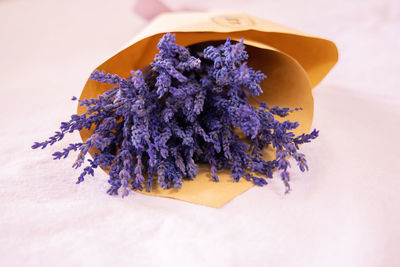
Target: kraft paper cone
[293, 61]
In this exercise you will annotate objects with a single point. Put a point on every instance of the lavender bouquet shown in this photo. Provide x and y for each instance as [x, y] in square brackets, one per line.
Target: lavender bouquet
[190, 106]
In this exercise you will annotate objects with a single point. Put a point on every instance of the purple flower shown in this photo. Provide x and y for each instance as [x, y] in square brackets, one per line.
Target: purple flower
[158, 124]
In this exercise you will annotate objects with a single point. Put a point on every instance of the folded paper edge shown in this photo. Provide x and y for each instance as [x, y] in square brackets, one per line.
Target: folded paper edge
[265, 32]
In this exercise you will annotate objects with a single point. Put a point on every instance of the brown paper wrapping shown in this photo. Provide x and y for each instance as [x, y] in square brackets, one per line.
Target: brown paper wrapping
[293, 61]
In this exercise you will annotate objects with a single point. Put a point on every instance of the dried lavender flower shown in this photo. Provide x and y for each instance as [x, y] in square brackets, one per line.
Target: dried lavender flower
[158, 124]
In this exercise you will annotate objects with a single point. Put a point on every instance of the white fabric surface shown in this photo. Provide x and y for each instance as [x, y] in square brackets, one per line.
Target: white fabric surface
[343, 212]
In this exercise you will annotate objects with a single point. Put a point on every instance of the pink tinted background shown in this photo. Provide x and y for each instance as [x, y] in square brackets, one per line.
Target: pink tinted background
[343, 212]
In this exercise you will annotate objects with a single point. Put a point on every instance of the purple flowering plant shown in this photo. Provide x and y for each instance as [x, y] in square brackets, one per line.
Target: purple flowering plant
[158, 124]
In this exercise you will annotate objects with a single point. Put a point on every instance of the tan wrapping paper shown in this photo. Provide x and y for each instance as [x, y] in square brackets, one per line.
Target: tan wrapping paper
[293, 61]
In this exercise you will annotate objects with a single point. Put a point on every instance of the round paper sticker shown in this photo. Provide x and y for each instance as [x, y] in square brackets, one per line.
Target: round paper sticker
[235, 21]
